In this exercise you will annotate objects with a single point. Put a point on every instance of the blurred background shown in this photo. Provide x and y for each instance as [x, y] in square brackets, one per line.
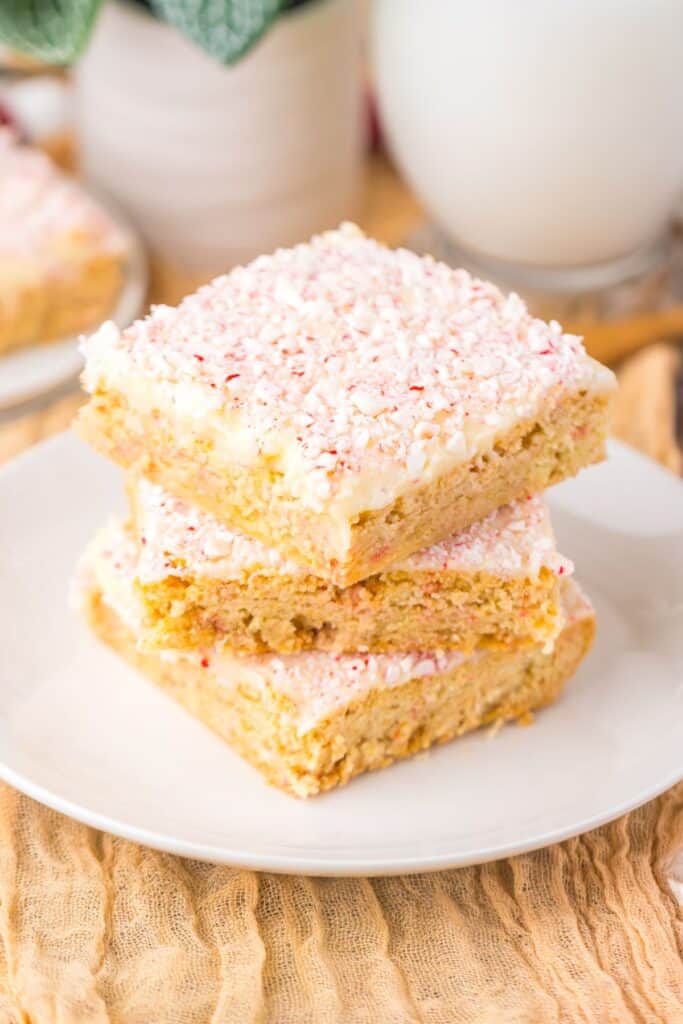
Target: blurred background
[535, 144]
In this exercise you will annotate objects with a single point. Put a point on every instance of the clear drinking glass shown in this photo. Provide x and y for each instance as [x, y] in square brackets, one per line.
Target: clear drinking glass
[544, 139]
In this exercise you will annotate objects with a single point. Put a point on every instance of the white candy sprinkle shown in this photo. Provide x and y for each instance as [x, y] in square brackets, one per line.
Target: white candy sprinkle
[368, 403]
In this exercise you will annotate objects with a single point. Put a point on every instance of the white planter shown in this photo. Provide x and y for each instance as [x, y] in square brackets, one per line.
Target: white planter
[218, 164]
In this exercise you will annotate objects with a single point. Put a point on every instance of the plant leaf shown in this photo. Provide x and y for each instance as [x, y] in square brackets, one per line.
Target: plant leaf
[54, 31]
[225, 29]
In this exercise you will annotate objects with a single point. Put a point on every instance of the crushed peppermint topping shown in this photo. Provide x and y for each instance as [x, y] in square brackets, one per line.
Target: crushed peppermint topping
[182, 539]
[346, 355]
[515, 539]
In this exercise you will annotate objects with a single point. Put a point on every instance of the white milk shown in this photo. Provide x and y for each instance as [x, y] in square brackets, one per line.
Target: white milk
[545, 132]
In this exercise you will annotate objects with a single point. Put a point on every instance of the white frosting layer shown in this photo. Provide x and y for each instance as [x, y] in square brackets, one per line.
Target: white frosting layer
[319, 684]
[356, 371]
[316, 683]
[180, 539]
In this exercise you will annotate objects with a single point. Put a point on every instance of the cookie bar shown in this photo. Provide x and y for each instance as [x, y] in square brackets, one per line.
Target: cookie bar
[61, 257]
[346, 404]
[201, 584]
[313, 721]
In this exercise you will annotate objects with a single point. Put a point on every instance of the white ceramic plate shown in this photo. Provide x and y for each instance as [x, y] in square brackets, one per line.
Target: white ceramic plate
[30, 372]
[83, 733]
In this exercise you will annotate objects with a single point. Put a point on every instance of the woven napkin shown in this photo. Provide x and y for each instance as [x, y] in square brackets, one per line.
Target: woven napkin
[97, 929]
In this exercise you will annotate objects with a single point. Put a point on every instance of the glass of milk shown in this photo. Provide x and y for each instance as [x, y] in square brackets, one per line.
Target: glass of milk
[545, 139]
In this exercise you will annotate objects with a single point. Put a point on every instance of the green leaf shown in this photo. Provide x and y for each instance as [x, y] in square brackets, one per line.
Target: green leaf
[225, 29]
[54, 31]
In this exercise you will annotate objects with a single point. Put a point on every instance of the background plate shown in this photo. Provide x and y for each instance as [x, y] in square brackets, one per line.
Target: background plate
[83, 733]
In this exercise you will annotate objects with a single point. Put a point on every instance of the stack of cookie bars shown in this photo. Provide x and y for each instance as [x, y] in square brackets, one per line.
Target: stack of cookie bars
[338, 552]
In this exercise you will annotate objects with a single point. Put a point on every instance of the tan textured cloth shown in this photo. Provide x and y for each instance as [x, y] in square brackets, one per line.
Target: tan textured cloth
[96, 929]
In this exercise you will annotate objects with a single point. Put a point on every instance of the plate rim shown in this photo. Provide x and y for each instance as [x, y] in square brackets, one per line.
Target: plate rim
[315, 864]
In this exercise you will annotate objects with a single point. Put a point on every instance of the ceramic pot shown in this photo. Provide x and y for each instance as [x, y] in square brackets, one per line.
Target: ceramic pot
[217, 164]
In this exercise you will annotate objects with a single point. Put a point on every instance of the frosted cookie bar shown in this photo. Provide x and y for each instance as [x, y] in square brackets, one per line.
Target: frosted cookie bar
[312, 721]
[202, 584]
[61, 257]
[346, 404]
